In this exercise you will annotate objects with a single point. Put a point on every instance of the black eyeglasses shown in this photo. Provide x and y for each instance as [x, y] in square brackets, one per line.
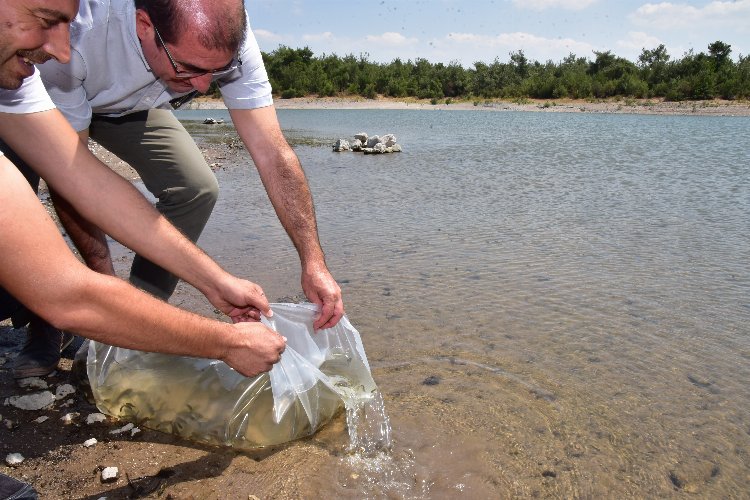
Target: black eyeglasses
[235, 63]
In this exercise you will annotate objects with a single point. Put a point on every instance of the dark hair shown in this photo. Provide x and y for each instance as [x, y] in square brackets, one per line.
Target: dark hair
[224, 30]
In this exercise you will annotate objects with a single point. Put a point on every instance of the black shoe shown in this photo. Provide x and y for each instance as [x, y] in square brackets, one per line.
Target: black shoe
[41, 351]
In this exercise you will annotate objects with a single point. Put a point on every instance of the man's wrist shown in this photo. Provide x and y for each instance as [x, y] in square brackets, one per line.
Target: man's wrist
[224, 340]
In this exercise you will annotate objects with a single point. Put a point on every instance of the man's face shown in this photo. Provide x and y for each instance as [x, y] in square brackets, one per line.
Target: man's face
[32, 31]
[188, 54]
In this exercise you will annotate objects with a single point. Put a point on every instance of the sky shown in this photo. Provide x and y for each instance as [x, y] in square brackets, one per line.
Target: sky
[467, 31]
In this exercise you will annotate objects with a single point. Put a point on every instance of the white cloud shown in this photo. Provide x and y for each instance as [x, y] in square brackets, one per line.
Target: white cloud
[319, 37]
[487, 48]
[540, 5]
[632, 46]
[267, 36]
[391, 39]
[716, 14]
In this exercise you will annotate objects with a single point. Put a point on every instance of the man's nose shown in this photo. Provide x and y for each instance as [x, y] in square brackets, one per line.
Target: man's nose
[58, 42]
[202, 83]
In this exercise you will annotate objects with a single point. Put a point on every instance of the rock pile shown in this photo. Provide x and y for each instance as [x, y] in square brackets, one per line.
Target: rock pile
[369, 145]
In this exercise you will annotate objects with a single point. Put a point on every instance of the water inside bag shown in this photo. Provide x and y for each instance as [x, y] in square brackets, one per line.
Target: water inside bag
[205, 400]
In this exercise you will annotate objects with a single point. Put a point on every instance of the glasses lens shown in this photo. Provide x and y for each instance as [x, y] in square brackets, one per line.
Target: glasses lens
[219, 72]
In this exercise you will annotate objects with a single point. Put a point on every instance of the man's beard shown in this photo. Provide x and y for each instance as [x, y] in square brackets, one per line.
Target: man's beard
[9, 79]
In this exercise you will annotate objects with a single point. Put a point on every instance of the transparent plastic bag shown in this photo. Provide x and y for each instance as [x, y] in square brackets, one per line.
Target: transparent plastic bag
[206, 400]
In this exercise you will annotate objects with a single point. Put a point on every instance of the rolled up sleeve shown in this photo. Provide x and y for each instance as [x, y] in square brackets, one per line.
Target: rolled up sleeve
[248, 86]
[65, 85]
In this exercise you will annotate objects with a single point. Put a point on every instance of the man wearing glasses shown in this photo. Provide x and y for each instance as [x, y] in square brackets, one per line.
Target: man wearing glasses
[129, 62]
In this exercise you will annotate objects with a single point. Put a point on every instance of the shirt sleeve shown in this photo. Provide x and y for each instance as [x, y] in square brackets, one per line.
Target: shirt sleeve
[247, 87]
[64, 82]
[30, 97]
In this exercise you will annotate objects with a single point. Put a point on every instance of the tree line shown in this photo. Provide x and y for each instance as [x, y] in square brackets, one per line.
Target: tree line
[705, 75]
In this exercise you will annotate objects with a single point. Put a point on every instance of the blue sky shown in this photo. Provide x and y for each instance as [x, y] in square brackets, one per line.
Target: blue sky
[481, 30]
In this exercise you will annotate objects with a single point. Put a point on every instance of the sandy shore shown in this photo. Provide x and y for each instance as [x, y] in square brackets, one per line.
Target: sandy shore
[625, 106]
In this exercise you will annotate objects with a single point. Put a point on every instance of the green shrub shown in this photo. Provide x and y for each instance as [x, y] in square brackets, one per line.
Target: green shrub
[288, 93]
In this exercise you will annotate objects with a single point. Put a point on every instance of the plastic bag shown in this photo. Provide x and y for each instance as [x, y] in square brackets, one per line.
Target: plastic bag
[206, 400]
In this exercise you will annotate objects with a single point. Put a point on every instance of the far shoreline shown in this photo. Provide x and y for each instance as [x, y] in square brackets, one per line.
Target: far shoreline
[620, 106]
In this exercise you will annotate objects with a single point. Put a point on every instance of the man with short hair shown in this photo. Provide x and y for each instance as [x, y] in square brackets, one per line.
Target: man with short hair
[39, 270]
[128, 62]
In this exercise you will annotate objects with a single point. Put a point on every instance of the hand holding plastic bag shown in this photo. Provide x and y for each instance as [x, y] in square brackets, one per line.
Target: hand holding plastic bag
[206, 400]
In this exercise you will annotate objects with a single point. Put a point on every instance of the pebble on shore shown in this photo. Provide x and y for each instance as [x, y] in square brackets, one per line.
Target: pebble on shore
[110, 474]
[13, 459]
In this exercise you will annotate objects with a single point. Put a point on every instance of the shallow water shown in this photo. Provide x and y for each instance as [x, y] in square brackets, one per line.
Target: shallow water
[552, 304]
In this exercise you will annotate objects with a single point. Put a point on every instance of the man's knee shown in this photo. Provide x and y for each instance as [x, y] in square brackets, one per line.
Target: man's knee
[189, 206]
[199, 191]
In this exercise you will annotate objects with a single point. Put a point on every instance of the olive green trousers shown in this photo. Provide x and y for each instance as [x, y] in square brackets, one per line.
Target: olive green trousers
[172, 168]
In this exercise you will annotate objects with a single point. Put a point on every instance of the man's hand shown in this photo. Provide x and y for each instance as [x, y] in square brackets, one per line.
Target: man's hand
[321, 289]
[240, 299]
[258, 350]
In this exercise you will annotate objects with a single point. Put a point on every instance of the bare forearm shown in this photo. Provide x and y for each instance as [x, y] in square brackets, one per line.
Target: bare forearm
[103, 197]
[290, 196]
[110, 310]
[288, 190]
[283, 178]
[90, 241]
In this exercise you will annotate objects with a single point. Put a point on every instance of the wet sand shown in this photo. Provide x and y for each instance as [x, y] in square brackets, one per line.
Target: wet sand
[150, 463]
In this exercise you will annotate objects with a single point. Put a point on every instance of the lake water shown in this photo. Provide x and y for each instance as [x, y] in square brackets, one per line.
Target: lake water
[552, 304]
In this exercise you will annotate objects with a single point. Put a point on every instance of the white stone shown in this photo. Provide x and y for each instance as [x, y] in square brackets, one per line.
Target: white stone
[41, 419]
[64, 390]
[388, 139]
[13, 459]
[69, 418]
[135, 431]
[110, 474]
[32, 383]
[361, 137]
[125, 428]
[95, 418]
[35, 401]
[90, 442]
[341, 145]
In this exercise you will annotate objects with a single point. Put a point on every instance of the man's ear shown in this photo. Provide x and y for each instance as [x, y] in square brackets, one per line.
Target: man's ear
[143, 26]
